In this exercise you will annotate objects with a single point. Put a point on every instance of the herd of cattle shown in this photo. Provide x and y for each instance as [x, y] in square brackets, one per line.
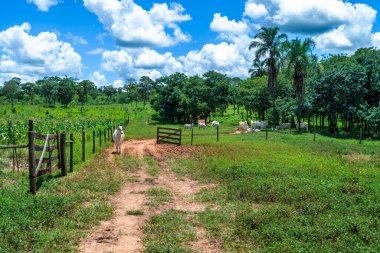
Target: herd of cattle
[202, 125]
[256, 126]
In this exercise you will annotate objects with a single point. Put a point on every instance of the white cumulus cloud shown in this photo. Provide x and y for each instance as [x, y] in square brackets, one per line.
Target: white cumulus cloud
[132, 26]
[76, 39]
[224, 25]
[98, 79]
[137, 63]
[336, 25]
[255, 10]
[25, 55]
[44, 5]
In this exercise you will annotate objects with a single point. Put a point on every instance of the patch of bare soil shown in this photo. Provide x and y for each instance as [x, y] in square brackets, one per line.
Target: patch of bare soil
[353, 158]
[205, 244]
[123, 233]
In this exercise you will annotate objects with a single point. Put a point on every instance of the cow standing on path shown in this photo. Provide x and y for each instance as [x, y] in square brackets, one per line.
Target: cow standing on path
[118, 137]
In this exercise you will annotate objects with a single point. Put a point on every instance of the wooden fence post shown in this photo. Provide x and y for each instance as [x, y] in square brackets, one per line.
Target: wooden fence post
[100, 137]
[63, 155]
[192, 135]
[71, 152]
[59, 149]
[217, 133]
[361, 135]
[93, 142]
[32, 157]
[180, 137]
[158, 130]
[83, 146]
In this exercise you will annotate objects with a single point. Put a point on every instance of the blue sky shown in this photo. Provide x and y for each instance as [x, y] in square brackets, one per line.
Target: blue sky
[109, 41]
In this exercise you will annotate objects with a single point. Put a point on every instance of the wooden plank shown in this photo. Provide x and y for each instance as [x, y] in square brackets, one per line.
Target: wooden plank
[48, 160]
[168, 142]
[48, 170]
[48, 149]
[43, 172]
[169, 138]
[13, 146]
[43, 136]
[54, 168]
[170, 129]
[171, 133]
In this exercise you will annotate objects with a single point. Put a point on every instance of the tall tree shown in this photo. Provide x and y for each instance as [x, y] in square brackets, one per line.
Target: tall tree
[30, 90]
[299, 56]
[11, 90]
[268, 44]
[132, 90]
[216, 95]
[84, 89]
[48, 88]
[66, 91]
[145, 88]
[259, 69]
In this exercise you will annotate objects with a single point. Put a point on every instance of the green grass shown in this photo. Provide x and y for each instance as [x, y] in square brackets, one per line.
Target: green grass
[64, 208]
[169, 232]
[128, 163]
[284, 194]
[290, 194]
[152, 165]
[158, 196]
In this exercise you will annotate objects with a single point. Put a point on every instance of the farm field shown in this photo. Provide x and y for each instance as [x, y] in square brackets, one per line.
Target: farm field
[284, 194]
[189, 126]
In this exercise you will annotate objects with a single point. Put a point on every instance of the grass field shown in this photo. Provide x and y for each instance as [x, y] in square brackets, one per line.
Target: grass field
[291, 195]
[284, 194]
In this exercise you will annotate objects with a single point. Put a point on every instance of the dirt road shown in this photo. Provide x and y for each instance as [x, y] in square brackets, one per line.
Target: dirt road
[123, 233]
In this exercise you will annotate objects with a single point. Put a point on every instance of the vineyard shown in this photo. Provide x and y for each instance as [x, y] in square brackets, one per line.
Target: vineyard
[14, 128]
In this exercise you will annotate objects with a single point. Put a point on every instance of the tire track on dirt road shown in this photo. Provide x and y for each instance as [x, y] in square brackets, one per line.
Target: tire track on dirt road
[123, 233]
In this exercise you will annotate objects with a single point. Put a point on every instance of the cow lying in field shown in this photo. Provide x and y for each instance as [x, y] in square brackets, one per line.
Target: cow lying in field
[258, 124]
[118, 137]
[215, 124]
[243, 125]
[188, 126]
[303, 125]
[284, 126]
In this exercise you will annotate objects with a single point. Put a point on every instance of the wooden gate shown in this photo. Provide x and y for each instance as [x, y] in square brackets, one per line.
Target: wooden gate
[46, 158]
[169, 136]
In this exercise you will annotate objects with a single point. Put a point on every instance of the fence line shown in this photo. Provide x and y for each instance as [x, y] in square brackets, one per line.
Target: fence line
[35, 170]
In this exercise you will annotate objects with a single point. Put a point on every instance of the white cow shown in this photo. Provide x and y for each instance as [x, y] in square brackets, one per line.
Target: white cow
[202, 125]
[303, 125]
[243, 125]
[118, 137]
[284, 126]
[215, 124]
[188, 126]
[258, 124]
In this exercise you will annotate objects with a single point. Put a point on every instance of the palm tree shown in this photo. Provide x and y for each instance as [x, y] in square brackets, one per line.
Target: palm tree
[299, 58]
[268, 44]
[259, 69]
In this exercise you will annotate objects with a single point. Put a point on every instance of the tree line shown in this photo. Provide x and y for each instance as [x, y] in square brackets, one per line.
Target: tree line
[64, 91]
[287, 83]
